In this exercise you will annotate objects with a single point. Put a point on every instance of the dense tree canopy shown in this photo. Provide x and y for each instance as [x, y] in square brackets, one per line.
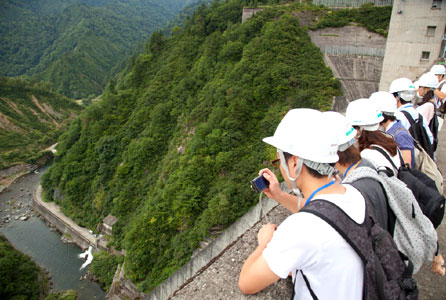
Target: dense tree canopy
[375, 19]
[171, 148]
[18, 274]
[75, 44]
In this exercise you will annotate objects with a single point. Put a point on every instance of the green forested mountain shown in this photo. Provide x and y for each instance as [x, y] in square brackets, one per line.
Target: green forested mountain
[18, 274]
[21, 278]
[74, 44]
[170, 150]
[31, 119]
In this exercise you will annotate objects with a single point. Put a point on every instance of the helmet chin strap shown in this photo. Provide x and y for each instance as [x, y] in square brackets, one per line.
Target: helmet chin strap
[296, 190]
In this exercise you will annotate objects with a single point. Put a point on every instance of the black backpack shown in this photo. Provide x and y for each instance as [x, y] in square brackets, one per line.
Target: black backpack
[418, 132]
[386, 275]
[423, 188]
[433, 126]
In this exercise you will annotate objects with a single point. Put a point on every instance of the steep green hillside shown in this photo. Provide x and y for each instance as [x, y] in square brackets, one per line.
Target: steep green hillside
[74, 44]
[31, 119]
[18, 274]
[21, 278]
[171, 149]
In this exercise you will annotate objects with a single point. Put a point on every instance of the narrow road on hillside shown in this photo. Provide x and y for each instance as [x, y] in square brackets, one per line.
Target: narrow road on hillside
[56, 211]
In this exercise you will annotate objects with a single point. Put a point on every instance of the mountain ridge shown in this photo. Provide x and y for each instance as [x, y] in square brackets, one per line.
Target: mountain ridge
[75, 44]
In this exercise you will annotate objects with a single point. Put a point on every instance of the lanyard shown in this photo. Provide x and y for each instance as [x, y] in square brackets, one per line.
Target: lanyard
[318, 190]
[346, 171]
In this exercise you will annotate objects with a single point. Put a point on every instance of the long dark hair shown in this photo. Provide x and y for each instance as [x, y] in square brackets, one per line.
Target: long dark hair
[426, 97]
[388, 118]
[369, 138]
[349, 156]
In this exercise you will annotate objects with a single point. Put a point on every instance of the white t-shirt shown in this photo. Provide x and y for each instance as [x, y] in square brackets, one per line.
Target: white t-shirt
[379, 160]
[305, 242]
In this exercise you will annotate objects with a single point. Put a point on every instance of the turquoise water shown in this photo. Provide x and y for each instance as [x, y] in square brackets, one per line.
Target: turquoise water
[35, 239]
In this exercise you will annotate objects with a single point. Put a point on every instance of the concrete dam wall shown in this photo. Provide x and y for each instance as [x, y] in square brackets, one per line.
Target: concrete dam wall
[355, 56]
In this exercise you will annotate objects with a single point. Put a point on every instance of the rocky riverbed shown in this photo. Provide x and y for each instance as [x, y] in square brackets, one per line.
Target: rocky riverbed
[15, 204]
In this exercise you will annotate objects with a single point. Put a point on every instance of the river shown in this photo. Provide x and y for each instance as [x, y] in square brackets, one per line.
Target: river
[44, 246]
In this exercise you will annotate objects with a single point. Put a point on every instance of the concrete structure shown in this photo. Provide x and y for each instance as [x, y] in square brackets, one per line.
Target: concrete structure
[122, 288]
[107, 224]
[52, 213]
[415, 41]
[351, 3]
[355, 57]
[249, 12]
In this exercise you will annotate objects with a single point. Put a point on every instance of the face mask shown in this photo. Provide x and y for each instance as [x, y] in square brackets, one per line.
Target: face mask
[407, 95]
[418, 94]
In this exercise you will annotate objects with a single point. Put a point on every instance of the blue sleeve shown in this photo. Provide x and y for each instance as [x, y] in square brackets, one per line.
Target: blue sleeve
[404, 140]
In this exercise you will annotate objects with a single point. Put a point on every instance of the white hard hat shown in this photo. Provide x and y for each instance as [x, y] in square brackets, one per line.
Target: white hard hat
[400, 85]
[341, 128]
[428, 80]
[438, 69]
[364, 113]
[304, 133]
[385, 102]
[416, 84]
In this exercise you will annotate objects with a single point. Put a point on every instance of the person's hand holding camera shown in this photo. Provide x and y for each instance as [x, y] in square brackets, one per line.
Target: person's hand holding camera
[273, 191]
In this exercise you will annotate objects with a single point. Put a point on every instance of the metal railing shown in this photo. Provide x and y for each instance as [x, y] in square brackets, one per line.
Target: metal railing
[352, 50]
[351, 3]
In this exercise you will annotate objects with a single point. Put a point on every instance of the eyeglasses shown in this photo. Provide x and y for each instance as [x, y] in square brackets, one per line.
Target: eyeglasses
[276, 163]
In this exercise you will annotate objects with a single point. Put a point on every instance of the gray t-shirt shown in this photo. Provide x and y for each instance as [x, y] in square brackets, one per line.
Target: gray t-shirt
[374, 193]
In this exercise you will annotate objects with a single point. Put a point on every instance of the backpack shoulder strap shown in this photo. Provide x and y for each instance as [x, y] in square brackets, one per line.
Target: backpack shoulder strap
[387, 156]
[313, 295]
[339, 220]
[408, 117]
[347, 228]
